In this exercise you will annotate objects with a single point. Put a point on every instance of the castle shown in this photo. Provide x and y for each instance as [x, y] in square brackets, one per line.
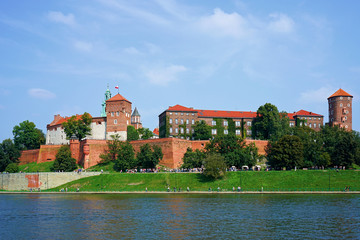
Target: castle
[116, 115]
[340, 109]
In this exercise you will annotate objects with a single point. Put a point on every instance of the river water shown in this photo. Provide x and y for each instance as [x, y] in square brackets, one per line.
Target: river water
[179, 216]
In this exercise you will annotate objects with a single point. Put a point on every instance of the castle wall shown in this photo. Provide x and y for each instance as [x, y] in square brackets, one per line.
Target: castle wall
[98, 130]
[29, 156]
[56, 136]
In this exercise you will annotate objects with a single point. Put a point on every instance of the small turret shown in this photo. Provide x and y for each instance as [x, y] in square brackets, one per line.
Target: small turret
[136, 119]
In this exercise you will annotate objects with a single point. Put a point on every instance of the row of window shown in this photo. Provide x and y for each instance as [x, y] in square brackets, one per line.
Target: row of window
[310, 118]
[182, 114]
[118, 113]
[181, 121]
[237, 123]
[341, 98]
[115, 121]
[176, 130]
[341, 105]
[310, 125]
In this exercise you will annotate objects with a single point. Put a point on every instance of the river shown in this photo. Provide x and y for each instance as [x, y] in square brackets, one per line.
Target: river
[179, 216]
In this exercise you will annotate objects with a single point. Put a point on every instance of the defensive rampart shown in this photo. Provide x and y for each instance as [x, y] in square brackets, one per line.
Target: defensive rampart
[27, 181]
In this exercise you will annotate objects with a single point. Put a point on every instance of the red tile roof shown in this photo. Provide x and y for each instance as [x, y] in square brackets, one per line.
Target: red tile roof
[226, 114]
[339, 93]
[180, 108]
[306, 113]
[156, 131]
[61, 120]
[117, 97]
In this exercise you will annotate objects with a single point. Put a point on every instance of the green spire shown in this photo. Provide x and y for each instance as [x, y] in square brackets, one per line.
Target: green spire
[103, 105]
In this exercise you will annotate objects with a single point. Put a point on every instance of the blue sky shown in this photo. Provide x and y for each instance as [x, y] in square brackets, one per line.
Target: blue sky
[57, 57]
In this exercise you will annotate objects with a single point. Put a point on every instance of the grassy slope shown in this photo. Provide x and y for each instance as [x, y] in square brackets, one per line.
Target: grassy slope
[36, 167]
[273, 180]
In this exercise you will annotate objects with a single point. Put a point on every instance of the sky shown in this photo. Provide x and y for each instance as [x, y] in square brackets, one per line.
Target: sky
[57, 57]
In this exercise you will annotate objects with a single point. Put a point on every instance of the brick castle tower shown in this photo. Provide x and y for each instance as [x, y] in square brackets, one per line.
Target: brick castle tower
[340, 109]
[118, 114]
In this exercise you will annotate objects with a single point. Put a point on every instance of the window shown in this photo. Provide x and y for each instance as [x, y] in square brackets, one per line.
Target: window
[292, 124]
[330, 105]
[187, 121]
[248, 132]
[187, 114]
[182, 121]
[248, 124]
[170, 130]
[348, 98]
[213, 131]
[176, 130]
[170, 120]
[237, 123]
[226, 131]
[115, 121]
[319, 118]
[346, 126]
[193, 114]
[117, 113]
[348, 104]
[305, 124]
[237, 132]
[341, 98]
[176, 113]
[112, 114]
[309, 118]
[176, 121]
[310, 125]
[341, 104]
[187, 130]
[225, 123]
[192, 121]
[182, 130]
[170, 113]
[314, 125]
[213, 123]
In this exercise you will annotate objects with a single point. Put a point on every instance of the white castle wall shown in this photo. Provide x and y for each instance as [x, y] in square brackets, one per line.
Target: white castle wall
[98, 131]
[56, 136]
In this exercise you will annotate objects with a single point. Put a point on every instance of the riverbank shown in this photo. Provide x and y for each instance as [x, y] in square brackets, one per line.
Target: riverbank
[191, 192]
[248, 181]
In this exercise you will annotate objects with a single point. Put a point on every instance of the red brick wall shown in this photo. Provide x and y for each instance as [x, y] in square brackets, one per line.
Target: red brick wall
[29, 156]
[260, 144]
[48, 153]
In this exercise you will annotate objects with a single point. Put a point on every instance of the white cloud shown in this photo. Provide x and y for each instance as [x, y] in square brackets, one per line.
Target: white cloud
[132, 51]
[317, 96]
[83, 46]
[224, 24]
[59, 17]
[281, 23]
[163, 76]
[41, 93]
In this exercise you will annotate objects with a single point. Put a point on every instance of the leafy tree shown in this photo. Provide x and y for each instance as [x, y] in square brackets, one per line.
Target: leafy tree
[215, 166]
[193, 159]
[113, 148]
[12, 168]
[27, 136]
[9, 153]
[158, 154]
[202, 131]
[146, 158]
[125, 157]
[234, 150]
[64, 161]
[341, 145]
[132, 134]
[79, 128]
[267, 124]
[145, 133]
[287, 152]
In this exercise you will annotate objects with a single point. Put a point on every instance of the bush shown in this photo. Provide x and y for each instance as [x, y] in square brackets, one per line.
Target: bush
[12, 168]
[64, 161]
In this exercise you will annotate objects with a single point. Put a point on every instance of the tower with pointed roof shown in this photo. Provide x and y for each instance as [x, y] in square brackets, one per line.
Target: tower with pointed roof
[103, 105]
[136, 119]
[340, 109]
[118, 116]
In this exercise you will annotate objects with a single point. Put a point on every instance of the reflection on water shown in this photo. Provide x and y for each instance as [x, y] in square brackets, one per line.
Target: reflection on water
[185, 216]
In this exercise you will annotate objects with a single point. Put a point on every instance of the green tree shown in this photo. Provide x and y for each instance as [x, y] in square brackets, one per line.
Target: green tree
[79, 128]
[12, 168]
[125, 157]
[267, 124]
[146, 157]
[132, 134]
[9, 153]
[287, 152]
[64, 161]
[202, 131]
[234, 150]
[215, 166]
[193, 159]
[113, 149]
[145, 133]
[158, 154]
[27, 136]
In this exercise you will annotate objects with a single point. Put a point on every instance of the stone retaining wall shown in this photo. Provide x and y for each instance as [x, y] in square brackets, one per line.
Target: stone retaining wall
[27, 181]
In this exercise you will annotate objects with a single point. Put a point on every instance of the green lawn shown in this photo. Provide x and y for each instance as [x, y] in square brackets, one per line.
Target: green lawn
[36, 167]
[315, 180]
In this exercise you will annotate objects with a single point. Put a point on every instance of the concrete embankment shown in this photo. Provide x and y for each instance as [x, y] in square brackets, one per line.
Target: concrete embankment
[191, 192]
[43, 181]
